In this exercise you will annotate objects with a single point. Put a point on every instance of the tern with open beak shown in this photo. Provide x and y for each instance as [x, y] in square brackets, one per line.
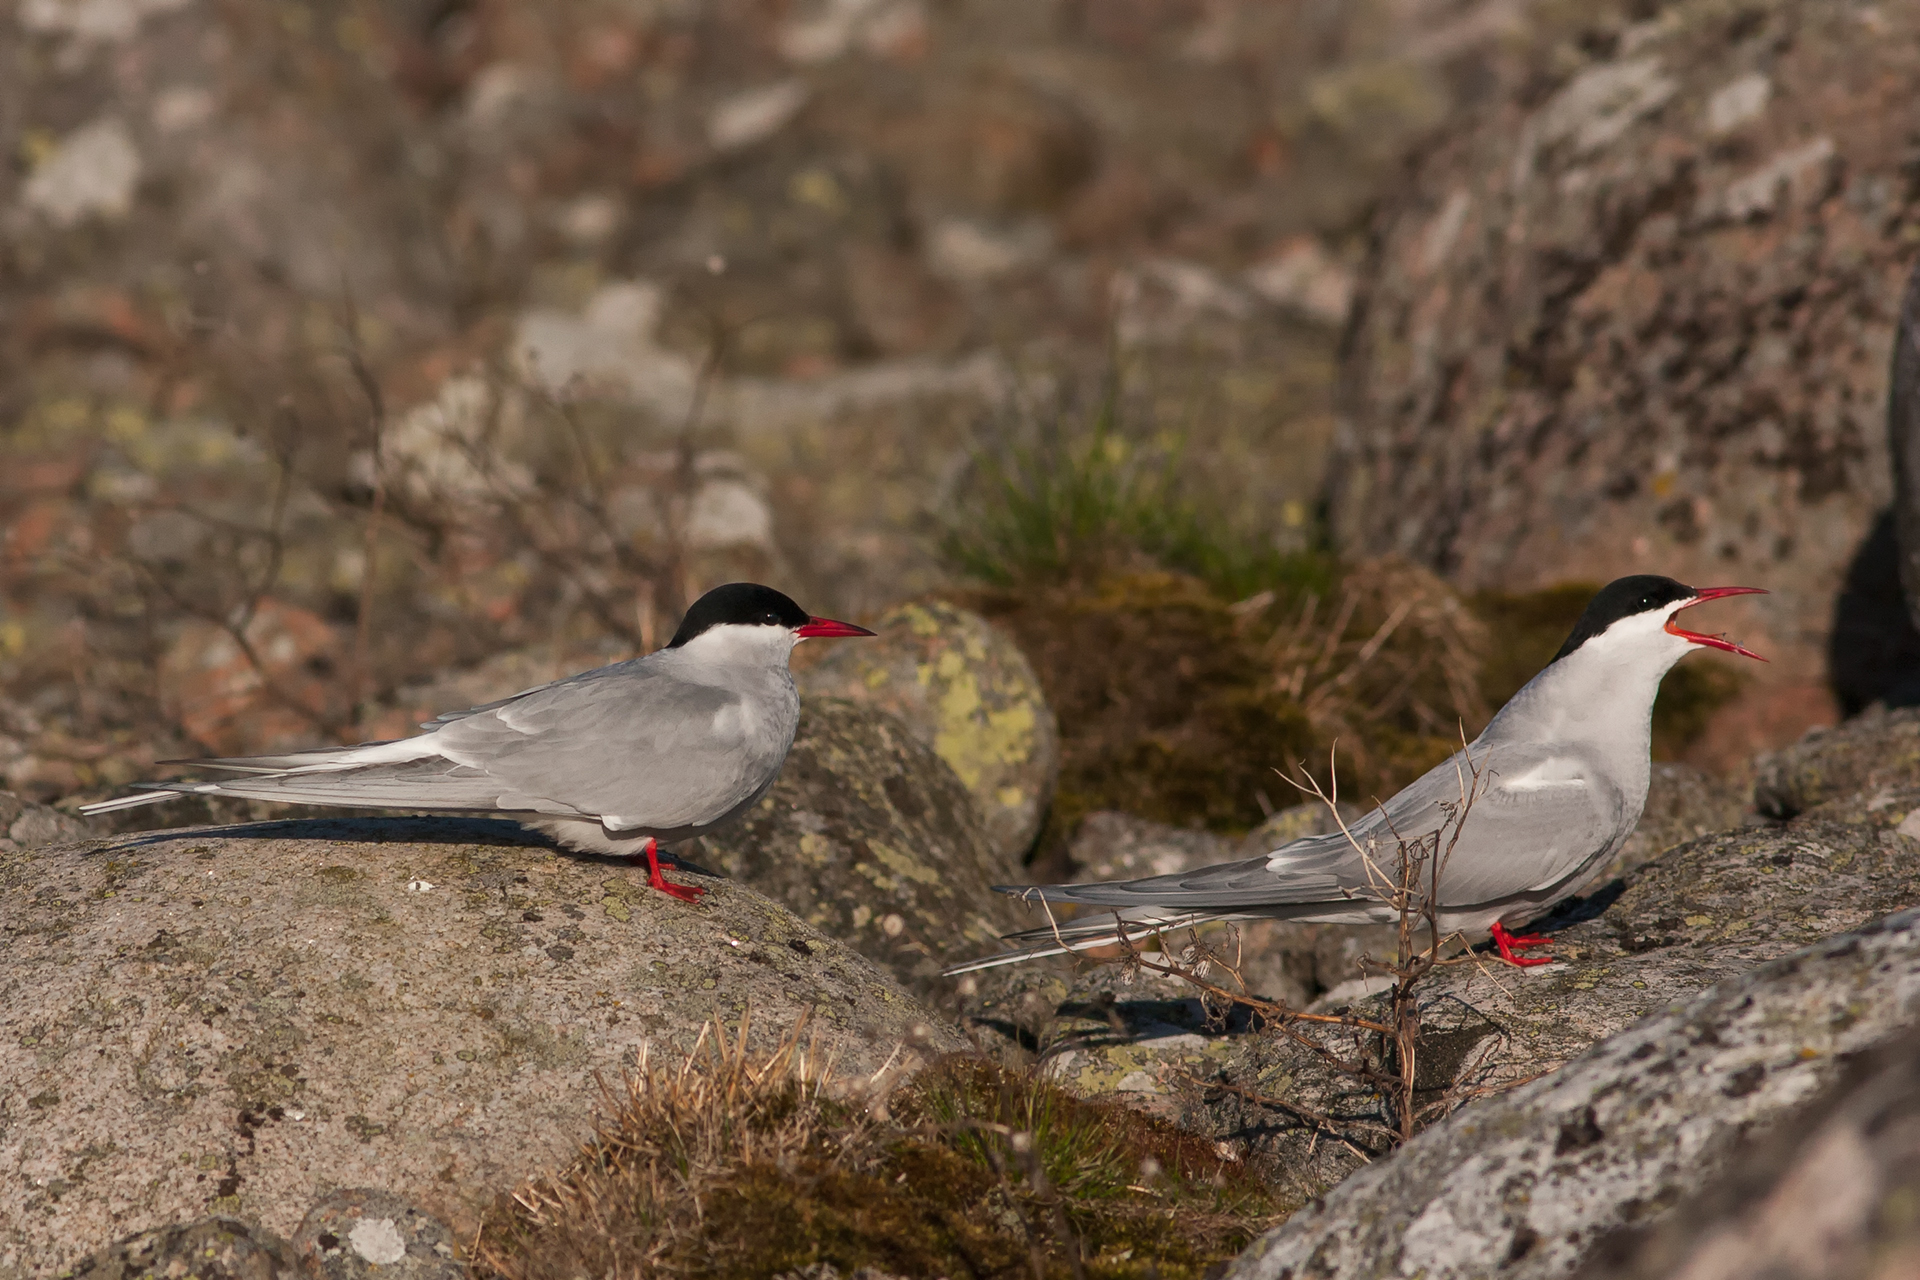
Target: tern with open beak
[1563, 771]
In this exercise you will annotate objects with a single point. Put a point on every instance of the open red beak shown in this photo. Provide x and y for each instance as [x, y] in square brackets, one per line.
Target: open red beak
[1713, 642]
[827, 629]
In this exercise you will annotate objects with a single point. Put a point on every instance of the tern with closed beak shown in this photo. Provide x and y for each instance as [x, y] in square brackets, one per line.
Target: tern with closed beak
[1561, 771]
[614, 760]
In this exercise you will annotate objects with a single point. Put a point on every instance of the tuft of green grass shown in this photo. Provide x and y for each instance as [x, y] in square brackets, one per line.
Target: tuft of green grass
[1091, 501]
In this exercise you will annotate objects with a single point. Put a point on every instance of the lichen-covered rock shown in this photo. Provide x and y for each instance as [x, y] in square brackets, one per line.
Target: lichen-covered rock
[1527, 1182]
[1638, 311]
[364, 1233]
[869, 837]
[968, 692]
[241, 1021]
[1868, 754]
[212, 1248]
[1826, 1195]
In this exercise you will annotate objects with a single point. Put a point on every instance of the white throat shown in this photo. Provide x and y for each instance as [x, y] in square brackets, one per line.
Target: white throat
[740, 644]
[1603, 691]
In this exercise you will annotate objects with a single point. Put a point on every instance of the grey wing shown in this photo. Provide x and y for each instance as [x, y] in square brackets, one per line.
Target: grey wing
[1539, 814]
[624, 744]
[1536, 818]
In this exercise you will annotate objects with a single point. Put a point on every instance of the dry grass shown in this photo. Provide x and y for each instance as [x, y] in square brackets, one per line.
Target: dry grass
[1386, 666]
[724, 1164]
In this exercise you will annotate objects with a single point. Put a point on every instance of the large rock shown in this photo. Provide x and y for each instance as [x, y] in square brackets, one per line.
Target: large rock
[968, 692]
[1869, 754]
[1829, 1193]
[869, 836]
[241, 1021]
[1638, 314]
[1527, 1182]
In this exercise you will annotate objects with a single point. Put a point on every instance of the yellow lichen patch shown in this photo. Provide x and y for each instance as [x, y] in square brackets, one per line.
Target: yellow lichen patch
[816, 848]
[972, 745]
[904, 865]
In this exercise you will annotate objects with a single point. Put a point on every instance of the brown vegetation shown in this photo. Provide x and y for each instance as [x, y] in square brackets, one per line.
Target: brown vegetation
[726, 1165]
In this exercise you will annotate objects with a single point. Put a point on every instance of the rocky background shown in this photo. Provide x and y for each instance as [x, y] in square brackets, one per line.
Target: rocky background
[1185, 389]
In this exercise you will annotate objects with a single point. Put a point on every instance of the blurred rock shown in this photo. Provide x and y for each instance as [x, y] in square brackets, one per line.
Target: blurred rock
[204, 1021]
[755, 115]
[1874, 755]
[92, 172]
[28, 825]
[364, 1234]
[964, 689]
[216, 1248]
[1296, 822]
[1829, 1192]
[1636, 319]
[1302, 277]
[871, 837]
[608, 348]
[1119, 846]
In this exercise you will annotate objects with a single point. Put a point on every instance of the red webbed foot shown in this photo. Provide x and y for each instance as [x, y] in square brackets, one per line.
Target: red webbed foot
[1509, 944]
[684, 892]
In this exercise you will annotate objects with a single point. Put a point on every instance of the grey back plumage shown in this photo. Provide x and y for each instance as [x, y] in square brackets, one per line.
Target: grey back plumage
[652, 744]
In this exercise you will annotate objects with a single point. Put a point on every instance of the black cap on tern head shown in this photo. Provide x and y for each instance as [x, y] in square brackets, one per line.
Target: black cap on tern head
[741, 603]
[1624, 598]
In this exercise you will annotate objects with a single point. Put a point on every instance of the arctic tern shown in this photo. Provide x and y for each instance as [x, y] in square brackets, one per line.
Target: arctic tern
[1563, 771]
[612, 760]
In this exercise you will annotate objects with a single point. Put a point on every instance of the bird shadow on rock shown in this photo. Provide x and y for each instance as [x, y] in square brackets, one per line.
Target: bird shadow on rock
[1873, 653]
[1578, 910]
[363, 829]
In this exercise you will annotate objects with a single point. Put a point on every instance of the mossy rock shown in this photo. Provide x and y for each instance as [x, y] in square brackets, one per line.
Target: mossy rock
[870, 836]
[222, 1022]
[965, 689]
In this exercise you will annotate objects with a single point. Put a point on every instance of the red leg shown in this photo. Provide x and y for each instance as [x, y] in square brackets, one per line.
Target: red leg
[684, 892]
[1509, 944]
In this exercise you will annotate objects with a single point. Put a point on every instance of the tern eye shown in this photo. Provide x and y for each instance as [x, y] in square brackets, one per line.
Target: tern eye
[770, 618]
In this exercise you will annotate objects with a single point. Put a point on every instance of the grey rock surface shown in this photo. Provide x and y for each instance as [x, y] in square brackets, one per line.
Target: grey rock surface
[1868, 754]
[1829, 1192]
[1525, 1183]
[965, 689]
[239, 1022]
[27, 825]
[870, 837]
